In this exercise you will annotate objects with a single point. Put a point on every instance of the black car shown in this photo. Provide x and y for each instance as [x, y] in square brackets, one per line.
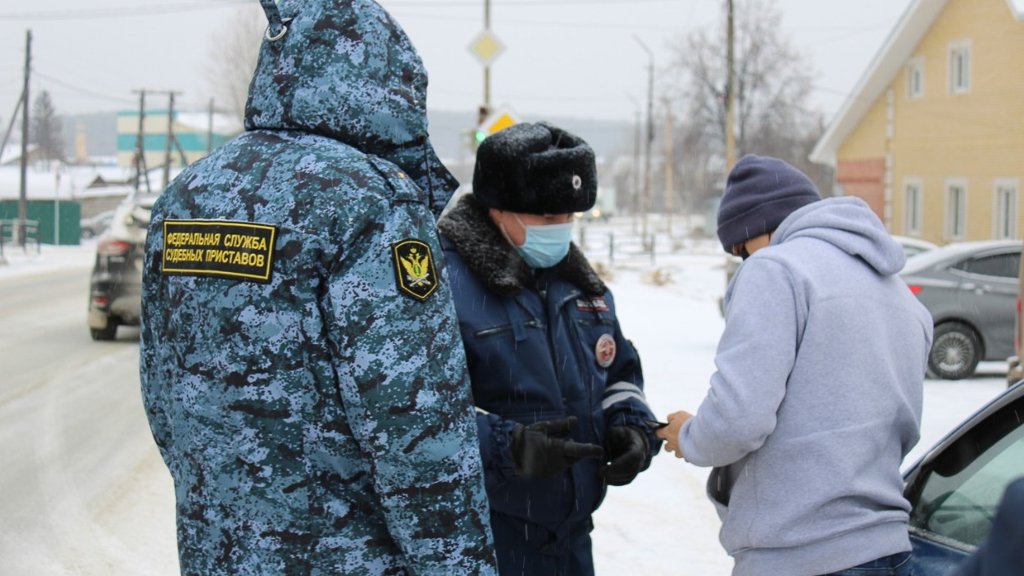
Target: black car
[955, 489]
[115, 289]
[970, 289]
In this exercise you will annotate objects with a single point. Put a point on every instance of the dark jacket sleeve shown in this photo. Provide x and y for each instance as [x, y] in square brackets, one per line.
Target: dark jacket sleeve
[495, 435]
[624, 402]
[406, 394]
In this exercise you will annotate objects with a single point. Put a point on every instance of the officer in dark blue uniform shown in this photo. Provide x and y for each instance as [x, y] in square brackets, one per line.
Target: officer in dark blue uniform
[561, 411]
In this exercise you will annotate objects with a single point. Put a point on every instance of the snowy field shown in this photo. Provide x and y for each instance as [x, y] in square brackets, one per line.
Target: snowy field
[662, 523]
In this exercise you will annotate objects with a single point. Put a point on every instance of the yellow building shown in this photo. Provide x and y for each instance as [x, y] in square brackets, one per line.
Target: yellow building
[933, 135]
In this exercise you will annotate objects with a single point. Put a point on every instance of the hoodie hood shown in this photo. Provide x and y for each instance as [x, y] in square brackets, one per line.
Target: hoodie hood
[849, 224]
[344, 69]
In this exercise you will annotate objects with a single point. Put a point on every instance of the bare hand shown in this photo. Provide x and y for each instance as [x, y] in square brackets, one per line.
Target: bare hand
[670, 433]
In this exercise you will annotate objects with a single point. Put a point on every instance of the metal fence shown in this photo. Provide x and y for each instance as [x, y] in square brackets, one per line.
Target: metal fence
[617, 245]
[19, 233]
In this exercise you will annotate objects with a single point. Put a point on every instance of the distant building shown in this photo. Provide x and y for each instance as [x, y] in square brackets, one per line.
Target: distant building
[195, 135]
[90, 138]
[933, 135]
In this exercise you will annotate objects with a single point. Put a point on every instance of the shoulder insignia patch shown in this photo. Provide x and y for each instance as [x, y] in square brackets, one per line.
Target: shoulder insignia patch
[238, 250]
[593, 304]
[414, 268]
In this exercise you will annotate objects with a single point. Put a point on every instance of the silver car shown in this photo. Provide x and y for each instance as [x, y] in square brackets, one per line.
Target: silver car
[115, 287]
[1015, 365]
[914, 246]
[970, 289]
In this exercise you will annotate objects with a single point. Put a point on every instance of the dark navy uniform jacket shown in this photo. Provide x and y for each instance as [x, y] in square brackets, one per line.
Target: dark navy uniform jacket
[540, 345]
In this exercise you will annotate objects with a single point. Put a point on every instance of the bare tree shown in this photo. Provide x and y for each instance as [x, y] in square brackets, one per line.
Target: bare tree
[46, 131]
[233, 55]
[772, 83]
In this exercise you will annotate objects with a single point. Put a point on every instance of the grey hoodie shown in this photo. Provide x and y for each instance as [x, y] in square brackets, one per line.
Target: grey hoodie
[816, 398]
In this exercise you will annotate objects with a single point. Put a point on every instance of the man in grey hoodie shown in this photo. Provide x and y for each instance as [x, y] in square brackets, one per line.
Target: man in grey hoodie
[817, 394]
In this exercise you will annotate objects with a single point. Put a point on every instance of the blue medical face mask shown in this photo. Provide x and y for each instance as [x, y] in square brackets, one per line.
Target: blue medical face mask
[545, 245]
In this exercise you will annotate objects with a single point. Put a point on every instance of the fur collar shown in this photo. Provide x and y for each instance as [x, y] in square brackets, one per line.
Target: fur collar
[499, 266]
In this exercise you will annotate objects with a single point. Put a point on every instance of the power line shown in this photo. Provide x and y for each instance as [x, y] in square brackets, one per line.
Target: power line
[576, 25]
[476, 3]
[179, 7]
[120, 11]
[80, 90]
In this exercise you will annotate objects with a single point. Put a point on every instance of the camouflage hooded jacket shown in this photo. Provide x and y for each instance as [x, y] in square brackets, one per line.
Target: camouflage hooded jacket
[301, 363]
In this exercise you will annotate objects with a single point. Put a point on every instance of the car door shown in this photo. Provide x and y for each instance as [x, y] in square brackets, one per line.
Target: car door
[955, 489]
[988, 287]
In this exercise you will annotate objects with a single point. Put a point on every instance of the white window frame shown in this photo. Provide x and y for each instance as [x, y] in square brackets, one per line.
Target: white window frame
[959, 70]
[1006, 208]
[955, 227]
[913, 206]
[915, 78]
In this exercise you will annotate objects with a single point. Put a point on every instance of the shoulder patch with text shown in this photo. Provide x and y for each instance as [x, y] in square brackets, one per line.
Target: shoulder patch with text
[239, 250]
[592, 304]
[414, 268]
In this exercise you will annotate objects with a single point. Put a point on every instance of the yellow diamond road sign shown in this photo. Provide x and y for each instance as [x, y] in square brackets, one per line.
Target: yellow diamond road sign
[499, 120]
[503, 121]
[486, 47]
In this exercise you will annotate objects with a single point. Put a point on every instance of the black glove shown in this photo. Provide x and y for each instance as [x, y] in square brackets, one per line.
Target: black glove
[545, 449]
[627, 450]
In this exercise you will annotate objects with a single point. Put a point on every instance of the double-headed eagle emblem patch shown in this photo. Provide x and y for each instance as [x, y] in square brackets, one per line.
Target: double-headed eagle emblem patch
[414, 268]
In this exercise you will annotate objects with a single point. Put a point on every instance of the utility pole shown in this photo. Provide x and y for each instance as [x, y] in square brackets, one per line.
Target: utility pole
[669, 184]
[487, 67]
[170, 139]
[141, 170]
[23, 187]
[730, 90]
[209, 128]
[636, 161]
[10, 125]
[645, 199]
[486, 47]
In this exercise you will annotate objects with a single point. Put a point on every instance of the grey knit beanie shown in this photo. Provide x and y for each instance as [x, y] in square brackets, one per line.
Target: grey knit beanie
[760, 193]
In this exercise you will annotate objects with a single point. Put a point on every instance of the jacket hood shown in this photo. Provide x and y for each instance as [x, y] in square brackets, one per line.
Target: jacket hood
[346, 70]
[849, 224]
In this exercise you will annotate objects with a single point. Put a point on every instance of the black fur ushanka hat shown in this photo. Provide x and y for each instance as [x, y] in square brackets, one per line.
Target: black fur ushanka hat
[535, 169]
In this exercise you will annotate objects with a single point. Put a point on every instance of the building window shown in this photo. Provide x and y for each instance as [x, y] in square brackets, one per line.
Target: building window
[1006, 210]
[956, 210]
[960, 67]
[912, 204]
[915, 78]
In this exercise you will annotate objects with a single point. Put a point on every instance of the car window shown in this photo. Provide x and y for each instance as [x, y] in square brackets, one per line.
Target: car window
[1004, 265]
[961, 492]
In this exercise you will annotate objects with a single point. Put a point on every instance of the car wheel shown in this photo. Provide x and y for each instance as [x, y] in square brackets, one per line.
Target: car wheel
[955, 351]
[104, 334]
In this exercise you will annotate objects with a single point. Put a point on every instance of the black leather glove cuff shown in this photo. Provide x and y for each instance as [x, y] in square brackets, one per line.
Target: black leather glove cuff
[627, 450]
[544, 449]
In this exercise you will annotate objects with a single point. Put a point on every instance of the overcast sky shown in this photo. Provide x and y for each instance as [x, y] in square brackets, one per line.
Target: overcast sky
[578, 58]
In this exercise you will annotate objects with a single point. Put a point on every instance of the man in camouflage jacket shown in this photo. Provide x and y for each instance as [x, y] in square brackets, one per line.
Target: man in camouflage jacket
[301, 363]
